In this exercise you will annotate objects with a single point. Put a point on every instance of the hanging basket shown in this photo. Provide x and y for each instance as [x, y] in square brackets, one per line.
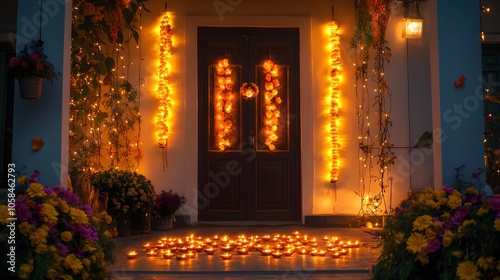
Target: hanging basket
[30, 87]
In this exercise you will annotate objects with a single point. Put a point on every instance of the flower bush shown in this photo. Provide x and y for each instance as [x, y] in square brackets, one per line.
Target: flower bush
[128, 192]
[56, 237]
[442, 234]
[32, 61]
[166, 203]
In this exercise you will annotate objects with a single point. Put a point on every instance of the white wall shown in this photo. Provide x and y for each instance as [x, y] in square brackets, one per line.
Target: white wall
[311, 17]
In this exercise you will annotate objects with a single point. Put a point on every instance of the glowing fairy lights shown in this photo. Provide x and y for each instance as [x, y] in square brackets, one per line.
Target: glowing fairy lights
[225, 104]
[334, 98]
[163, 94]
[272, 104]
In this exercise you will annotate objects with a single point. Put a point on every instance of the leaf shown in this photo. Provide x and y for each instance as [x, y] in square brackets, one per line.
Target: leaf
[128, 16]
[110, 63]
[132, 96]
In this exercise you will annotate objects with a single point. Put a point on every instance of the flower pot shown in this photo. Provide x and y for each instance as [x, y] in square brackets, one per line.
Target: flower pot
[164, 223]
[30, 87]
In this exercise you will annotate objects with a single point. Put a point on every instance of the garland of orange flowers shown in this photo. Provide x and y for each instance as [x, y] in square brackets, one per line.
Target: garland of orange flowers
[272, 103]
[164, 101]
[334, 98]
[224, 103]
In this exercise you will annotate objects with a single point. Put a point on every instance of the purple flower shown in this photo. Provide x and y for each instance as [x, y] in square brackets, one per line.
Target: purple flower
[67, 195]
[88, 233]
[49, 191]
[475, 175]
[34, 177]
[494, 202]
[448, 189]
[459, 216]
[53, 232]
[78, 251]
[63, 250]
[86, 208]
[434, 245]
[23, 212]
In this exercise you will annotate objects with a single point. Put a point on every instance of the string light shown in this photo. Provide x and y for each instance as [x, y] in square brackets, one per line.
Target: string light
[334, 95]
[163, 93]
[271, 103]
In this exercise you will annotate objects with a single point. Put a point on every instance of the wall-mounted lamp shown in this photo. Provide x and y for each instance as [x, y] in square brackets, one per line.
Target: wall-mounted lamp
[412, 20]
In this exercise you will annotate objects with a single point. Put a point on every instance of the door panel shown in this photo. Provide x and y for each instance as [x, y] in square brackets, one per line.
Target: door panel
[249, 157]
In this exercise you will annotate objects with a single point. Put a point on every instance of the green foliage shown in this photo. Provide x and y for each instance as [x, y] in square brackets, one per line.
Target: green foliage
[105, 120]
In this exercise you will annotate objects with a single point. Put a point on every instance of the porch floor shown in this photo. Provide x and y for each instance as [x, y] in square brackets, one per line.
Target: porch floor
[354, 265]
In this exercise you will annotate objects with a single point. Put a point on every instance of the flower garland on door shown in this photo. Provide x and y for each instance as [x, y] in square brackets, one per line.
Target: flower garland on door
[272, 103]
[224, 103]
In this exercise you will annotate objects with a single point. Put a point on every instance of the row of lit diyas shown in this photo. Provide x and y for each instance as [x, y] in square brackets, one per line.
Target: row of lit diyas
[287, 245]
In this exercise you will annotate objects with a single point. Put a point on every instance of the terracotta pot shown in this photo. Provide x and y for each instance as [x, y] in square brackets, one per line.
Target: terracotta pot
[30, 87]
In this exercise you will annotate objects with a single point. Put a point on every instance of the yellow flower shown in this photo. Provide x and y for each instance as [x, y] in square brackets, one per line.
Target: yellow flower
[446, 217]
[49, 213]
[4, 214]
[422, 222]
[79, 216]
[39, 236]
[66, 236]
[447, 238]
[86, 262]
[63, 205]
[73, 263]
[472, 191]
[497, 224]
[485, 263]
[455, 200]
[483, 210]
[467, 270]
[457, 254]
[25, 228]
[423, 257]
[25, 269]
[416, 242]
[463, 228]
[41, 248]
[21, 180]
[36, 190]
[88, 248]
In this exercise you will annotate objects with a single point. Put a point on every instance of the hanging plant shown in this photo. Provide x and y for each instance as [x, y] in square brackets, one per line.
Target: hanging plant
[372, 18]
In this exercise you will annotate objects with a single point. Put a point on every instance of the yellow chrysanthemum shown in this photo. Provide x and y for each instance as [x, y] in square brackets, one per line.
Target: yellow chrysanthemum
[86, 262]
[483, 210]
[467, 270]
[447, 238]
[36, 190]
[79, 216]
[455, 200]
[463, 228]
[25, 269]
[422, 222]
[73, 263]
[457, 254]
[445, 217]
[25, 228]
[485, 263]
[423, 257]
[472, 191]
[63, 205]
[21, 180]
[66, 236]
[416, 242]
[88, 248]
[49, 213]
[41, 248]
[496, 224]
[39, 235]
[4, 214]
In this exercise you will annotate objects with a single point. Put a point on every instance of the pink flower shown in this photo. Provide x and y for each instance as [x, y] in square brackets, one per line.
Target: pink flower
[14, 61]
[33, 56]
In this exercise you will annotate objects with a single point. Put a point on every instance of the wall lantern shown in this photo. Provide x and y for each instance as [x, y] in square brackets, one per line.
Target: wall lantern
[412, 20]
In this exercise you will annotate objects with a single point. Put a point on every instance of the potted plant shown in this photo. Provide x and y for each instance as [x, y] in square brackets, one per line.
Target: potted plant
[30, 67]
[165, 206]
[130, 198]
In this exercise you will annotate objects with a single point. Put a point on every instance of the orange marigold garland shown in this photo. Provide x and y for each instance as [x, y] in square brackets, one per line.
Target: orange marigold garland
[224, 104]
[271, 103]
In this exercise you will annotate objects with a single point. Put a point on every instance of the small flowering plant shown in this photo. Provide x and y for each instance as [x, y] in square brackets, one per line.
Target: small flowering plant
[128, 192]
[442, 234]
[32, 61]
[56, 237]
[166, 203]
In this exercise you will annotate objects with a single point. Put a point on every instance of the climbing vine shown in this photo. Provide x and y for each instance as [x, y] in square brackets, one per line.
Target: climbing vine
[372, 106]
[105, 121]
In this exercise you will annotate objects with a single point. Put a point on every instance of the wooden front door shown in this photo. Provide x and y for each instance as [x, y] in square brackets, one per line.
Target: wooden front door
[249, 147]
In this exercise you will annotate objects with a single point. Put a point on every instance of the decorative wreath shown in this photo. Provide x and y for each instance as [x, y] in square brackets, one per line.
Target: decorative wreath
[249, 90]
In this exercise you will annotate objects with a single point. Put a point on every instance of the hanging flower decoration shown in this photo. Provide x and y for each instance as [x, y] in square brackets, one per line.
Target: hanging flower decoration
[163, 82]
[37, 144]
[272, 103]
[334, 97]
[224, 103]
[249, 90]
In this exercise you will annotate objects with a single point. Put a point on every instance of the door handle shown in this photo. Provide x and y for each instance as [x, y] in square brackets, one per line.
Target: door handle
[251, 139]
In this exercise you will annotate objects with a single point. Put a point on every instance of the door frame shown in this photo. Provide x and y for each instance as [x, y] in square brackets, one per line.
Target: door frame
[307, 95]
